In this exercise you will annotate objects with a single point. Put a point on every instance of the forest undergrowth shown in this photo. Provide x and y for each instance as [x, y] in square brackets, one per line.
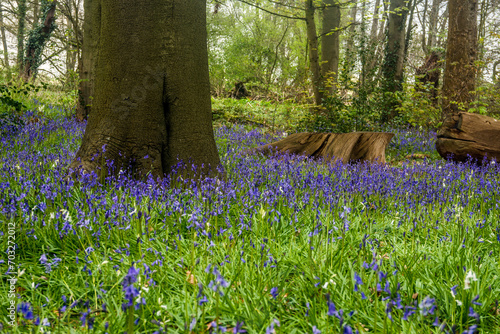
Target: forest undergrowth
[283, 244]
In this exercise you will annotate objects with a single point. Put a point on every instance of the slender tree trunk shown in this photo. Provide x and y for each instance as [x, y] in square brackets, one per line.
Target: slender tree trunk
[88, 61]
[409, 29]
[4, 44]
[38, 38]
[460, 72]
[483, 16]
[352, 31]
[152, 91]
[433, 22]
[373, 54]
[374, 29]
[314, 65]
[394, 56]
[36, 14]
[330, 45]
[425, 47]
[21, 7]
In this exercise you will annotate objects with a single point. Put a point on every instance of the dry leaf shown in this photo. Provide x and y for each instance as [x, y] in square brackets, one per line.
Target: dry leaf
[415, 295]
[190, 278]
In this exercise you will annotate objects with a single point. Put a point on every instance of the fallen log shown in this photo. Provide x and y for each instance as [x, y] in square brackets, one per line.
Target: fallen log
[347, 147]
[468, 136]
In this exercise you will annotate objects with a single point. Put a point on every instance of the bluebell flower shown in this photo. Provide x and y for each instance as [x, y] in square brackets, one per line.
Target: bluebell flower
[274, 292]
[475, 302]
[316, 330]
[26, 310]
[427, 306]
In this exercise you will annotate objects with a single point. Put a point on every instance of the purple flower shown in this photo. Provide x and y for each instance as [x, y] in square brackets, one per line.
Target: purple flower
[427, 306]
[238, 328]
[26, 310]
[471, 330]
[131, 276]
[409, 310]
[270, 329]
[357, 279]
[475, 302]
[274, 292]
[454, 290]
[203, 300]
[347, 329]
[473, 314]
[316, 330]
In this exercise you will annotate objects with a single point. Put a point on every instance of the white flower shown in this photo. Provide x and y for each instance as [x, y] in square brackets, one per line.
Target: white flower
[471, 276]
[459, 303]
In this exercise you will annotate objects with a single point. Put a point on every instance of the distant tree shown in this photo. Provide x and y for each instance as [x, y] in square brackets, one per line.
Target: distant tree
[394, 56]
[21, 12]
[330, 47]
[4, 43]
[37, 39]
[152, 92]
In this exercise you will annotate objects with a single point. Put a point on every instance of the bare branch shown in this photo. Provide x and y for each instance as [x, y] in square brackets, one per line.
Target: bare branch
[273, 13]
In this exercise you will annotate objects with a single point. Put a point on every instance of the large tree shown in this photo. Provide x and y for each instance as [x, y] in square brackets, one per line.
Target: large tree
[330, 47]
[461, 52]
[152, 94]
[86, 64]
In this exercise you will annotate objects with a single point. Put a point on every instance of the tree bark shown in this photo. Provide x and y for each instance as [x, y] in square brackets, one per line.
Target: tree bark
[346, 147]
[394, 55]
[433, 21]
[330, 46]
[36, 9]
[460, 73]
[4, 44]
[87, 63]
[314, 65]
[21, 7]
[152, 91]
[374, 29]
[37, 39]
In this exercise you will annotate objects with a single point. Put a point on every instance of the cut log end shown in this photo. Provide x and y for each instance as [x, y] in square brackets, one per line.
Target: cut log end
[469, 136]
[346, 147]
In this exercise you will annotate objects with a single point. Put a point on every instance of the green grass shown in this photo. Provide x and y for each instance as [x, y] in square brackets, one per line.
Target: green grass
[282, 222]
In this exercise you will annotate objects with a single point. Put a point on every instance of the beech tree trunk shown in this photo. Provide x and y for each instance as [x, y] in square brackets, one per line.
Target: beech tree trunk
[88, 59]
[460, 72]
[347, 147]
[471, 136]
[152, 92]
[37, 39]
[330, 46]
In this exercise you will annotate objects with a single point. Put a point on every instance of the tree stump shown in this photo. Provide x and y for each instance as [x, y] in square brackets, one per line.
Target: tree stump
[347, 147]
[468, 136]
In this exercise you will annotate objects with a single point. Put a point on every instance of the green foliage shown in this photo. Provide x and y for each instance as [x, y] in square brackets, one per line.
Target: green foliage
[487, 100]
[416, 108]
[277, 116]
[264, 51]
